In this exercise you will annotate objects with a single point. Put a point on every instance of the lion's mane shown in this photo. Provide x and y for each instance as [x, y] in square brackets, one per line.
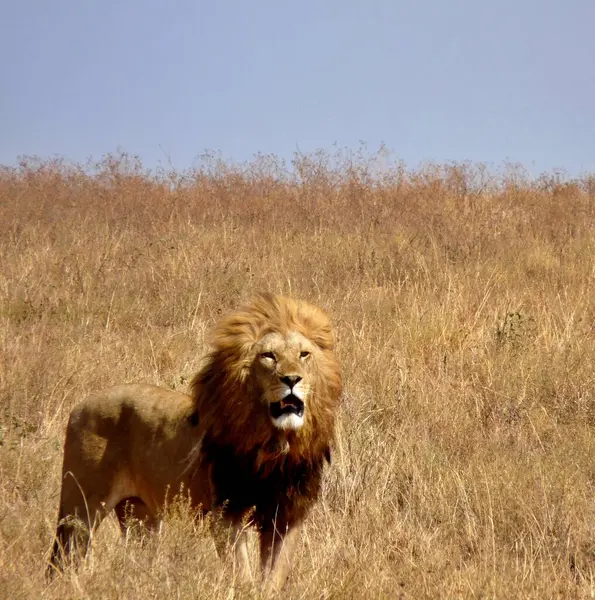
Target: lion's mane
[238, 438]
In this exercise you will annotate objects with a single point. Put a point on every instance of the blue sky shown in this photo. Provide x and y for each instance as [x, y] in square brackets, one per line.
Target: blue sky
[434, 80]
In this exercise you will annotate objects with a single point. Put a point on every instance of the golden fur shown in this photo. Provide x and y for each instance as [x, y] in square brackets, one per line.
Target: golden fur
[250, 441]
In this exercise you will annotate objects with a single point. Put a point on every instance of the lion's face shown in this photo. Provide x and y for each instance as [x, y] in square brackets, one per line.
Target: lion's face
[284, 367]
[271, 376]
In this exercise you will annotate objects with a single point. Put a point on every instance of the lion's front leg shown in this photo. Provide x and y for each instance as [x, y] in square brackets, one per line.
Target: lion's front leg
[276, 551]
[228, 534]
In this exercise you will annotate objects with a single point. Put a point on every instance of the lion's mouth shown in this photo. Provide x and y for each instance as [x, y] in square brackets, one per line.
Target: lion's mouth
[290, 405]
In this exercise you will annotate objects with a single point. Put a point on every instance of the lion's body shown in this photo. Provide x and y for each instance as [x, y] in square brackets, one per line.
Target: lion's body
[250, 441]
[130, 441]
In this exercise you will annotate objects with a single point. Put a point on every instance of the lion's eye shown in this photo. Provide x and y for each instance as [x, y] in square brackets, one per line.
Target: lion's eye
[270, 355]
[304, 354]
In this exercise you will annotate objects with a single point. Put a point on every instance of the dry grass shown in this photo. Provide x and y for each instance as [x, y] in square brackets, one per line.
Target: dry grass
[464, 306]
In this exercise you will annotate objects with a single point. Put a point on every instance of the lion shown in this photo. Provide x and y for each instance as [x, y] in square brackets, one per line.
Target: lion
[249, 444]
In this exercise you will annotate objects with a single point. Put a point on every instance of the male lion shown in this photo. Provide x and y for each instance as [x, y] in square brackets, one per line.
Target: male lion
[250, 442]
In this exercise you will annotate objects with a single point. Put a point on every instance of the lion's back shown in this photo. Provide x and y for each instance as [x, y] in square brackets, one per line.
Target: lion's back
[119, 404]
[125, 413]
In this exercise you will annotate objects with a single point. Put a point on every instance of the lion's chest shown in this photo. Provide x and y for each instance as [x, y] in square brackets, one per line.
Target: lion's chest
[284, 490]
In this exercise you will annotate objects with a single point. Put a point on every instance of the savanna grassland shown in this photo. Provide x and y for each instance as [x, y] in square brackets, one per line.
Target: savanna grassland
[464, 306]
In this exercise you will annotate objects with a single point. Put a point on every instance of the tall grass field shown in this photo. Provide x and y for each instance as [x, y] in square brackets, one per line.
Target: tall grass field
[463, 299]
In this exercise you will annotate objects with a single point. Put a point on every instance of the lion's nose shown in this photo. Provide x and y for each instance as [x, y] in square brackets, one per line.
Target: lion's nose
[290, 380]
